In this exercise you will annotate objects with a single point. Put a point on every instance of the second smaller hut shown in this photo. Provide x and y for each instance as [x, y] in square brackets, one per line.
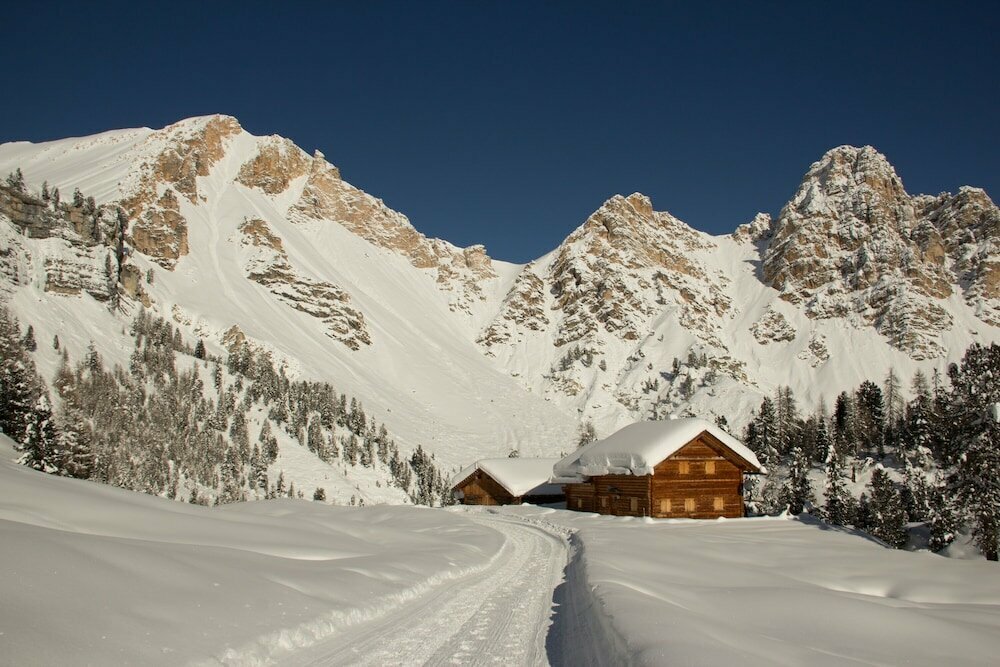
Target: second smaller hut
[508, 481]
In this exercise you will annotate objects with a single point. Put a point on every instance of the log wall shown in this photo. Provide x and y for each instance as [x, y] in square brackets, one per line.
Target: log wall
[700, 481]
[481, 489]
[697, 482]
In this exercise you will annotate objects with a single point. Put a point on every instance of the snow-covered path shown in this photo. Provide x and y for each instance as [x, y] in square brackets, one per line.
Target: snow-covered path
[499, 617]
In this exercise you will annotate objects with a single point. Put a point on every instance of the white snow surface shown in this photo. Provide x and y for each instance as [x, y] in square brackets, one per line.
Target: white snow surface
[762, 591]
[519, 476]
[97, 575]
[638, 448]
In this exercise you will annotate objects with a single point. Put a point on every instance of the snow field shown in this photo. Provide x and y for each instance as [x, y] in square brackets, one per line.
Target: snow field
[770, 591]
[93, 574]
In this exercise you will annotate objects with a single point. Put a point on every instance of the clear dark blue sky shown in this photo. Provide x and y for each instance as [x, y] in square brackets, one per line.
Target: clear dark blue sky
[507, 123]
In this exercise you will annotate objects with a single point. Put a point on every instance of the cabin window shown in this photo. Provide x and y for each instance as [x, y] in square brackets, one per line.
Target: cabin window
[604, 501]
[709, 467]
[579, 503]
[718, 504]
[689, 504]
[633, 504]
[683, 467]
[665, 506]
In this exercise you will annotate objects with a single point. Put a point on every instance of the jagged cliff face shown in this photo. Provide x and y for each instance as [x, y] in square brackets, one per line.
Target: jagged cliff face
[634, 315]
[74, 249]
[853, 244]
[610, 277]
[267, 264]
[326, 196]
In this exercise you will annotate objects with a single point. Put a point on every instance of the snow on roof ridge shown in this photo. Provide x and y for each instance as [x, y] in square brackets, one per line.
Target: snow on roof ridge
[517, 475]
[637, 448]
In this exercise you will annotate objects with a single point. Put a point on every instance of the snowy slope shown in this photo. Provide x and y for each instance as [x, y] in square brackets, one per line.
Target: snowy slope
[471, 357]
[97, 575]
[421, 374]
[767, 591]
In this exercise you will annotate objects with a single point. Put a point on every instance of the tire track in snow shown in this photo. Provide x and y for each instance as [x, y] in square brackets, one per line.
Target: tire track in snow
[499, 617]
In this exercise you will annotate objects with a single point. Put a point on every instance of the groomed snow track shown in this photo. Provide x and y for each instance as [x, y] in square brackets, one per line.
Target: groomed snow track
[502, 616]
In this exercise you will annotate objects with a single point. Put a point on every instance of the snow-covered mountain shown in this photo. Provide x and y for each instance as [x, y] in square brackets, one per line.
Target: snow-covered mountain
[236, 237]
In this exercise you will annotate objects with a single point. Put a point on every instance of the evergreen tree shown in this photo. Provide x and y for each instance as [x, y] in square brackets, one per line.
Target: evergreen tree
[887, 520]
[587, 434]
[845, 424]
[871, 417]
[29, 340]
[765, 436]
[894, 410]
[199, 349]
[787, 425]
[20, 384]
[15, 181]
[319, 494]
[40, 442]
[838, 499]
[797, 493]
[974, 411]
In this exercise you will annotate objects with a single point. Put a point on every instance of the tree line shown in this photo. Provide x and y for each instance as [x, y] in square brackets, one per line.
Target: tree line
[933, 459]
[185, 425]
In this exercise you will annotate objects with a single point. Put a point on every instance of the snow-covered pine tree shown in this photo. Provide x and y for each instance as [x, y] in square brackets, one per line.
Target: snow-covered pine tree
[845, 424]
[974, 411]
[894, 410]
[766, 433]
[839, 503]
[40, 443]
[871, 418]
[887, 520]
[797, 493]
[28, 341]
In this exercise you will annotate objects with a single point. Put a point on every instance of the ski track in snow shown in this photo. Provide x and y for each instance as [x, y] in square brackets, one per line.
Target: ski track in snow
[501, 617]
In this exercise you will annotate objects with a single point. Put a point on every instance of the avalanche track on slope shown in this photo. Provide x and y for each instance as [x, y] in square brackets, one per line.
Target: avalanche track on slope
[499, 617]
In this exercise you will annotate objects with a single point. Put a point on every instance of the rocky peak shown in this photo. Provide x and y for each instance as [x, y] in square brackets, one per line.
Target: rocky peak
[277, 163]
[177, 155]
[759, 229]
[852, 243]
[610, 276]
[327, 196]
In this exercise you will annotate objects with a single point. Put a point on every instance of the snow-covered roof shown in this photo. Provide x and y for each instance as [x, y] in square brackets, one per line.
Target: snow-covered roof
[519, 476]
[638, 448]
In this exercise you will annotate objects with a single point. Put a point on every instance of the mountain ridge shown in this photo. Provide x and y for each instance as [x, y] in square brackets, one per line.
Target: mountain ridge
[635, 314]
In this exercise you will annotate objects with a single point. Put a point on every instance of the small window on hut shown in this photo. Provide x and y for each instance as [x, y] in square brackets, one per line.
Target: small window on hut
[604, 501]
[709, 467]
[718, 504]
[665, 506]
[689, 504]
[633, 504]
[579, 503]
[683, 467]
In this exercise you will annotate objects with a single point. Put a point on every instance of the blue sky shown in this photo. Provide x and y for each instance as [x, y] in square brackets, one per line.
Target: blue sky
[508, 123]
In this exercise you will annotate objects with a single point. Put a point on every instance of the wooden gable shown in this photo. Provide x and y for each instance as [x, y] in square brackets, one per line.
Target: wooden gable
[481, 489]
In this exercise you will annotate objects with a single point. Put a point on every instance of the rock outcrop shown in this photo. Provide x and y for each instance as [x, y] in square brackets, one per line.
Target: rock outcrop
[177, 156]
[268, 265]
[853, 244]
[328, 197]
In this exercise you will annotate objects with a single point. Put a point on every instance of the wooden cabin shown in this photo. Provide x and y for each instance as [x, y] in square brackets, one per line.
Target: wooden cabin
[680, 468]
[507, 482]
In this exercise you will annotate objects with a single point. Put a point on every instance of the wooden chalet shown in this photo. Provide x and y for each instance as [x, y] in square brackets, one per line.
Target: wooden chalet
[507, 482]
[679, 468]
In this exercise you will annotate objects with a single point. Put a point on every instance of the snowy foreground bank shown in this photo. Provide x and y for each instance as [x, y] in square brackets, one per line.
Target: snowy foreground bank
[95, 575]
